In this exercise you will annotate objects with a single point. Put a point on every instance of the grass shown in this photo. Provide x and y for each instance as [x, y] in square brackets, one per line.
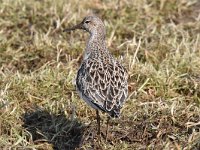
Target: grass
[158, 42]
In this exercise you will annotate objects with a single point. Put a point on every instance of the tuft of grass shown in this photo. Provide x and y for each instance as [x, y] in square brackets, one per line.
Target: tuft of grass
[158, 42]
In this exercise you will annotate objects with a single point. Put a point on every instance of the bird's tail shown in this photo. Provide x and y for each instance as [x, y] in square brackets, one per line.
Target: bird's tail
[114, 113]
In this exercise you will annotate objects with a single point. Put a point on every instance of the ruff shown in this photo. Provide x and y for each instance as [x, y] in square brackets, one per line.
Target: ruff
[101, 80]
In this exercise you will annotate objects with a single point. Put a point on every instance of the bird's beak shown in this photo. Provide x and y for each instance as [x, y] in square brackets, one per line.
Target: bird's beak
[78, 26]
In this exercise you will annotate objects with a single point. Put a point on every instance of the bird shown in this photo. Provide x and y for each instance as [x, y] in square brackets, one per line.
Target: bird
[101, 81]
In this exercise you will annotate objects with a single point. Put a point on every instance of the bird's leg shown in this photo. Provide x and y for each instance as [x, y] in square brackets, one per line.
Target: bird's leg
[107, 127]
[98, 122]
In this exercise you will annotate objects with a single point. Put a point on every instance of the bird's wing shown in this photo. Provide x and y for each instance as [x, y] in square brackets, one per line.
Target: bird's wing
[104, 84]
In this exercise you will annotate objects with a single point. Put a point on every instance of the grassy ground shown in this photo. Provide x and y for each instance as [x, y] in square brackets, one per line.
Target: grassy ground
[158, 42]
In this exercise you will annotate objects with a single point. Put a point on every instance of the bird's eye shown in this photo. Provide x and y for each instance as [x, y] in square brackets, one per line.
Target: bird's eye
[87, 21]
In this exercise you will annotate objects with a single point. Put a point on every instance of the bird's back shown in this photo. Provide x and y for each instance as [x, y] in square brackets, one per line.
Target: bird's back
[102, 83]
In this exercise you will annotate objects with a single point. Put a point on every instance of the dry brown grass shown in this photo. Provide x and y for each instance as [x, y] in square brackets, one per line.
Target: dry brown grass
[158, 42]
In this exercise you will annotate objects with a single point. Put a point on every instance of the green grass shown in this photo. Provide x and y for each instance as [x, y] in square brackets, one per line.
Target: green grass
[157, 41]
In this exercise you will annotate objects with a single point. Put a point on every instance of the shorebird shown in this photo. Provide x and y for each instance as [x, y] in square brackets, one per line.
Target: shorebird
[101, 80]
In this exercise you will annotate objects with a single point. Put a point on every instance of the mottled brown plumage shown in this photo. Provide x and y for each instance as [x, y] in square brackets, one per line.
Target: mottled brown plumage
[101, 80]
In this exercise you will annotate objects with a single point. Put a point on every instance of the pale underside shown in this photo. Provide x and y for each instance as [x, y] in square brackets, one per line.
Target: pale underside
[103, 85]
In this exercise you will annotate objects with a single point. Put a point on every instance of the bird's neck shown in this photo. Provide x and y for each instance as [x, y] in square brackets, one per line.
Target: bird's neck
[96, 45]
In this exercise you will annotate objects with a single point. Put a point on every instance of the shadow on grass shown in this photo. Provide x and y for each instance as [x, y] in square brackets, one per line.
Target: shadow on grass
[56, 129]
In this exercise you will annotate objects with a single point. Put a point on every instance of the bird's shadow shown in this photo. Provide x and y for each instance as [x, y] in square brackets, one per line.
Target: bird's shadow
[56, 129]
